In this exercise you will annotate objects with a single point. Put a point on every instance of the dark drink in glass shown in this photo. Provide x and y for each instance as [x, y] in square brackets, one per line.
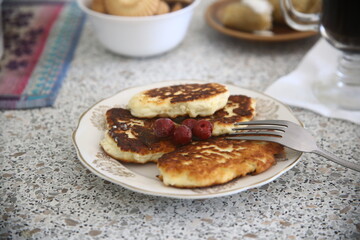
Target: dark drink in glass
[340, 20]
[339, 24]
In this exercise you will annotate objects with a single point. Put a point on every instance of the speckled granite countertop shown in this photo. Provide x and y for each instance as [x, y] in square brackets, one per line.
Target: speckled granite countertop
[45, 192]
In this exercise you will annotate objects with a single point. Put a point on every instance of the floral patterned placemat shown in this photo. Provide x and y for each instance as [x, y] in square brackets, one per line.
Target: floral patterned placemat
[39, 40]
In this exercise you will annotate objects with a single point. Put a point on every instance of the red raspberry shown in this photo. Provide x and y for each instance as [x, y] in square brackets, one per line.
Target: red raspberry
[203, 129]
[163, 127]
[182, 135]
[190, 123]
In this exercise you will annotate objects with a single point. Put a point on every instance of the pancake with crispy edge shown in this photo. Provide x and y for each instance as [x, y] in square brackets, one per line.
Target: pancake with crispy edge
[131, 139]
[215, 161]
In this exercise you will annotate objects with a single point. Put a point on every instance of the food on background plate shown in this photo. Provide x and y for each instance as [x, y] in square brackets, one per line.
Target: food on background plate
[304, 6]
[260, 15]
[180, 100]
[138, 8]
[187, 149]
[215, 161]
[247, 15]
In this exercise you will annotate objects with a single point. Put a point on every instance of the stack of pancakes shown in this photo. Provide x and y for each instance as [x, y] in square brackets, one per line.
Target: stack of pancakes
[130, 136]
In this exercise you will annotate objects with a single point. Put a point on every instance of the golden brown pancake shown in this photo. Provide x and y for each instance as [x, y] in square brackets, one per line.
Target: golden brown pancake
[179, 100]
[215, 161]
[132, 139]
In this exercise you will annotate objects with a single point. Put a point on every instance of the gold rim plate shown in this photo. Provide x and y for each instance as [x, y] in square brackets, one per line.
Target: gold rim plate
[142, 178]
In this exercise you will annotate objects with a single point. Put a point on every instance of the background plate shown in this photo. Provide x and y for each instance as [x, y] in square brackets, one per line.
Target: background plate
[281, 33]
[142, 178]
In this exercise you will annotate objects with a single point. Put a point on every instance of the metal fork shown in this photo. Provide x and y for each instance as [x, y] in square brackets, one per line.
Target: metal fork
[287, 134]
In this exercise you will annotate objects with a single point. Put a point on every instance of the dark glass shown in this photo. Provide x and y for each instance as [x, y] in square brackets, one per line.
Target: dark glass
[341, 23]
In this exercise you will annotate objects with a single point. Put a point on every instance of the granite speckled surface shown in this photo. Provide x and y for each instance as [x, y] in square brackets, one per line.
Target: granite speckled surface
[45, 192]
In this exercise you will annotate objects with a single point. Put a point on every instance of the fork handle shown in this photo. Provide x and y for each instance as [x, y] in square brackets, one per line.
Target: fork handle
[337, 160]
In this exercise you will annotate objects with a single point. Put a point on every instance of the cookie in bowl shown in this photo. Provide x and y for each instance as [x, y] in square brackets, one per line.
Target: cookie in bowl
[134, 8]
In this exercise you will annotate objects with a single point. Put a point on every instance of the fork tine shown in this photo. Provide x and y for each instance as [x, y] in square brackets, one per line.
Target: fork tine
[256, 138]
[278, 128]
[271, 133]
[264, 122]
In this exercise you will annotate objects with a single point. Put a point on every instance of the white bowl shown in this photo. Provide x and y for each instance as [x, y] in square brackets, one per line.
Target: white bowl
[140, 36]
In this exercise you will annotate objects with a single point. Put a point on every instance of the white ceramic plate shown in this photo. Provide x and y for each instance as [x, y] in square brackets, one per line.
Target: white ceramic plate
[142, 178]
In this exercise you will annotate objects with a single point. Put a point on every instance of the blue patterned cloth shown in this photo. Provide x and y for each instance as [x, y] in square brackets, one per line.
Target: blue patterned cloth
[39, 40]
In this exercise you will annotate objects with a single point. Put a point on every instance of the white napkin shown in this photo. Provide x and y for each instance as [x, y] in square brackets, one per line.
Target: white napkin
[296, 88]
